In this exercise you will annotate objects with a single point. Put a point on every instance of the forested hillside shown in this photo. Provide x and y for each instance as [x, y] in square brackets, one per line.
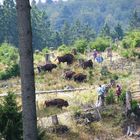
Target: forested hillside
[92, 12]
[58, 23]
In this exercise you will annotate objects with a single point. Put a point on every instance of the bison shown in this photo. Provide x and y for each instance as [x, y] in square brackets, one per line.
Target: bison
[87, 64]
[80, 77]
[69, 74]
[56, 103]
[46, 67]
[66, 58]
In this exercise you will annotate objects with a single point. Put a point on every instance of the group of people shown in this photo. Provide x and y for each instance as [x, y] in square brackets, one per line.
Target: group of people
[97, 56]
[102, 92]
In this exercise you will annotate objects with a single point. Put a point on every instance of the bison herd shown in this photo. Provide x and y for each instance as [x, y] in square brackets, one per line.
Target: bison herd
[69, 59]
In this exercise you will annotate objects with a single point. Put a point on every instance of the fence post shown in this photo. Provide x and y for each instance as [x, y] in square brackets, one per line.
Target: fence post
[47, 57]
[55, 120]
[128, 102]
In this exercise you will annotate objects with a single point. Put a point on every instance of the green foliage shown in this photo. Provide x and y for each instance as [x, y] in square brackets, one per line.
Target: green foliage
[110, 99]
[134, 105]
[100, 44]
[135, 21]
[45, 50]
[81, 45]
[8, 54]
[104, 71]
[105, 31]
[118, 32]
[11, 71]
[10, 118]
[41, 133]
[127, 53]
[131, 40]
[122, 97]
[65, 49]
[93, 12]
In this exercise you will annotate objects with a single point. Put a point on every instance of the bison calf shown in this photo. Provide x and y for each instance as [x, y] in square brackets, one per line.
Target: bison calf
[46, 67]
[69, 74]
[80, 77]
[87, 64]
[56, 103]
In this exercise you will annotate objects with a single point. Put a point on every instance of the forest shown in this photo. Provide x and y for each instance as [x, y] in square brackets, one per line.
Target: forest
[74, 69]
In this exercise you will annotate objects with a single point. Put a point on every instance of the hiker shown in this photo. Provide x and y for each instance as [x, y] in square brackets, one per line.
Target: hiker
[100, 92]
[99, 58]
[118, 91]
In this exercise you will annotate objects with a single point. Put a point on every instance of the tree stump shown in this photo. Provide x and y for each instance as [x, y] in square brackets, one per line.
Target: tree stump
[128, 103]
[47, 57]
[55, 120]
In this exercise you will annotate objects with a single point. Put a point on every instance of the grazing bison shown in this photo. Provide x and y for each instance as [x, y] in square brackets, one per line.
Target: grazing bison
[56, 103]
[66, 58]
[80, 77]
[86, 64]
[46, 67]
[69, 74]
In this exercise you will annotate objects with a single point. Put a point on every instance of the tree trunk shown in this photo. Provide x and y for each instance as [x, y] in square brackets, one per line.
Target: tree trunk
[26, 70]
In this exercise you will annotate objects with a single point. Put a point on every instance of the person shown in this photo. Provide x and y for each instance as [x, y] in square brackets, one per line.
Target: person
[118, 91]
[100, 92]
[99, 58]
[95, 53]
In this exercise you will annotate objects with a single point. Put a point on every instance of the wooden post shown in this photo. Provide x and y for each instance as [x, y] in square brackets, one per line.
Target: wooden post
[47, 57]
[128, 102]
[55, 120]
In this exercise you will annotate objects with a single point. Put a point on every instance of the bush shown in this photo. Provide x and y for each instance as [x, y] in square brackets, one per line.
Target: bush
[65, 49]
[8, 54]
[100, 44]
[110, 99]
[134, 105]
[45, 50]
[122, 98]
[131, 40]
[10, 119]
[80, 45]
[104, 71]
[12, 71]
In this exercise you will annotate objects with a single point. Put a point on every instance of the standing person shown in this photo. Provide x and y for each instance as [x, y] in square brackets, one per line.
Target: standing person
[100, 92]
[95, 53]
[118, 91]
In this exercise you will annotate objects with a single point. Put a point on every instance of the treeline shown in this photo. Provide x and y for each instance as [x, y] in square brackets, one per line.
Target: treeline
[45, 33]
[93, 12]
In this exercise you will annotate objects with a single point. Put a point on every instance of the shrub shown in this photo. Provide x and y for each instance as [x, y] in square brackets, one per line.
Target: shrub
[45, 50]
[104, 71]
[63, 48]
[12, 71]
[8, 54]
[131, 40]
[122, 98]
[80, 45]
[100, 44]
[10, 118]
[134, 105]
[110, 99]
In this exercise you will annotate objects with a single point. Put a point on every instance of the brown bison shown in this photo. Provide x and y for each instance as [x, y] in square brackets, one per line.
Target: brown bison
[46, 67]
[87, 64]
[66, 58]
[56, 103]
[69, 74]
[80, 77]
